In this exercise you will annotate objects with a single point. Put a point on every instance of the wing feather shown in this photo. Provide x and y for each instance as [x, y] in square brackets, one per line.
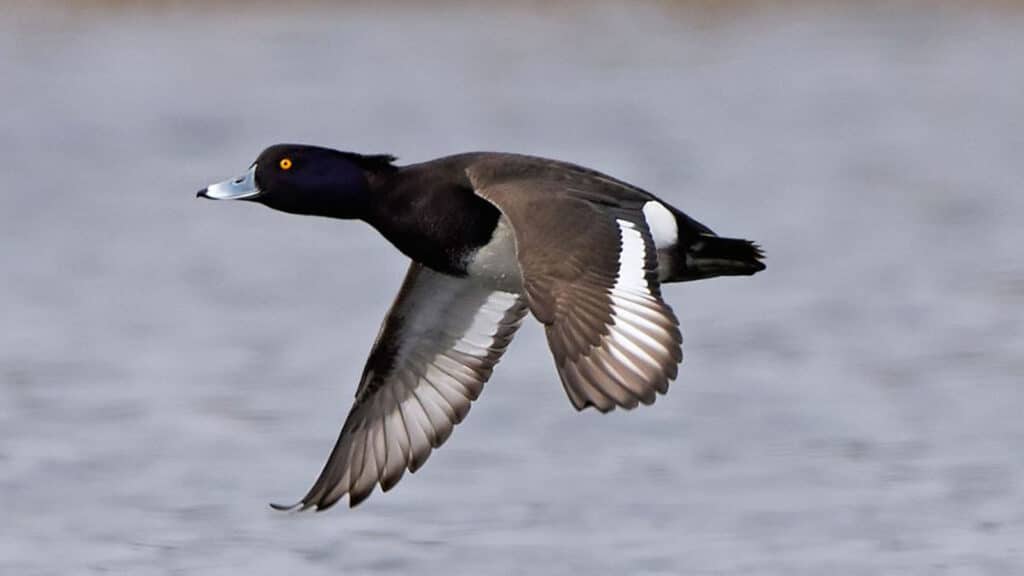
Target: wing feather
[615, 342]
[434, 352]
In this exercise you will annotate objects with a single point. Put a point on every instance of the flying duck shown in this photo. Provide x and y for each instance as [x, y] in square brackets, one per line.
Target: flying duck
[491, 237]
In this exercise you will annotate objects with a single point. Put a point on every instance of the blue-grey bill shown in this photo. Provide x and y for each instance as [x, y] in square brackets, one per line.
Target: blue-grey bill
[235, 189]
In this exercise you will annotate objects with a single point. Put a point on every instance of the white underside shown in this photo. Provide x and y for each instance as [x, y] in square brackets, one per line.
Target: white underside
[495, 263]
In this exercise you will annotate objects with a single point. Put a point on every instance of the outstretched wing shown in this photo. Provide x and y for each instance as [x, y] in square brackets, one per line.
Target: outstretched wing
[590, 275]
[436, 349]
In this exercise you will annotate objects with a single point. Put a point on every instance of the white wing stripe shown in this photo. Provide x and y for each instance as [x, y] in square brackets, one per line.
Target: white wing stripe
[632, 260]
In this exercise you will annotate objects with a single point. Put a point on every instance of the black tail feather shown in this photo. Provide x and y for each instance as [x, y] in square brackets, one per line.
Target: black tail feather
[708, 256]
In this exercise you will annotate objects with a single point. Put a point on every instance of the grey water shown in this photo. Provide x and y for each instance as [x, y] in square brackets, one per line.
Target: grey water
[169, 366]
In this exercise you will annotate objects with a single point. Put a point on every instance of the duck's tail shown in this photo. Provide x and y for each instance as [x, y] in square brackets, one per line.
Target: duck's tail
[708, 256]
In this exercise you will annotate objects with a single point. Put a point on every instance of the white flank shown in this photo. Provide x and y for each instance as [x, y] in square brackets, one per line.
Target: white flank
[495, 263]
[662, 224]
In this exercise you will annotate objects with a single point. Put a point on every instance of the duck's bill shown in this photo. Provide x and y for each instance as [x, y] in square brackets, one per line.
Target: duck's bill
[239, 188]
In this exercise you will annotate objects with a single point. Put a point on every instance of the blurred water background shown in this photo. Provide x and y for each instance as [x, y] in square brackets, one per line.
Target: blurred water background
[169, 366]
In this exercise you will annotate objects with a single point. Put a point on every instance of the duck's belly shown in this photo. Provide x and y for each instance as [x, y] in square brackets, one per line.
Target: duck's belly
[495, 263]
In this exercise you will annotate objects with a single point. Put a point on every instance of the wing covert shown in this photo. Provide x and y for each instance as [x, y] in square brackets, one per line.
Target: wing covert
[590, 275]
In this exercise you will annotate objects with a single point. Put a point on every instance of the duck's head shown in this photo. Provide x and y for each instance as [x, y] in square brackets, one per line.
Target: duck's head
[305, 179]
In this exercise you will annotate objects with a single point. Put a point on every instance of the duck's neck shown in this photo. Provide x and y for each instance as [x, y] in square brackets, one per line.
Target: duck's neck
[432, 216]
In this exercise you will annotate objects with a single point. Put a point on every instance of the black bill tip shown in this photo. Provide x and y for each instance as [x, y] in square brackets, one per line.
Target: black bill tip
[202, 194]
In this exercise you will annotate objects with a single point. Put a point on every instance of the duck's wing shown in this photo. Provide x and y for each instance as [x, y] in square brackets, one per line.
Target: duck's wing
[590, 275]
[436, 349]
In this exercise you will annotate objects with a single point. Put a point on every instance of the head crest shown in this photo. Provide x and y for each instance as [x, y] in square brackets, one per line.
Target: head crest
[372, 162]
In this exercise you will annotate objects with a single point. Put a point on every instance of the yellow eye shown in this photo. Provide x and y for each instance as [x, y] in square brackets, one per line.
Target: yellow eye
[285, 163]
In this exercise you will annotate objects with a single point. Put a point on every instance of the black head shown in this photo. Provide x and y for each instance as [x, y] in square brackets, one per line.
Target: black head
[306, 180]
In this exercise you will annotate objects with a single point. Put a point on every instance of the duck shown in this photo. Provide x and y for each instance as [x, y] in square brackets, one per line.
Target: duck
[492, 238]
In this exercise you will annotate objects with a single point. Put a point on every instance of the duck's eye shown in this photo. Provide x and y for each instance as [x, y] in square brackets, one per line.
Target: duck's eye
[285, 163]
